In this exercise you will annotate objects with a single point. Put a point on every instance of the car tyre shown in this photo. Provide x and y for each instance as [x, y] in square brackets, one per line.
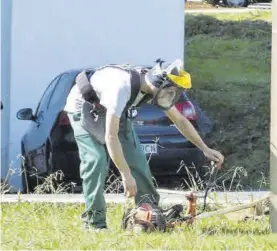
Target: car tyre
[49, 158]
[113, 183]
[51, 167]
[28, 183]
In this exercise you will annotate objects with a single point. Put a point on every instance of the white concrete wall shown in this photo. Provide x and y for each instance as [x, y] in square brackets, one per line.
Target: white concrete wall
[6, 9]
[50, 36]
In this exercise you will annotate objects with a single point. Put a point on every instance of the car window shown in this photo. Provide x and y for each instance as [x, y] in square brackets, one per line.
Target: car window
[46, 96]
[61, 90]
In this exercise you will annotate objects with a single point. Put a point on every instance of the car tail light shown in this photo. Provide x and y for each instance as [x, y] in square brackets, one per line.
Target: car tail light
[187, 109]
[63, 119]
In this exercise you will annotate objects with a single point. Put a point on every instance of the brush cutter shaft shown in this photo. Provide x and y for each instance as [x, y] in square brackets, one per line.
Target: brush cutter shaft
[231, 209]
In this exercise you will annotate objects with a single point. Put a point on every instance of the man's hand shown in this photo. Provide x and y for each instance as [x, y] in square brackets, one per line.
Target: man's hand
[129, 184]
[214, 155]
[188, 130]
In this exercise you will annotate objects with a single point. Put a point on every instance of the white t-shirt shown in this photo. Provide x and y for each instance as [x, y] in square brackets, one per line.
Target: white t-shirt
[112, 86]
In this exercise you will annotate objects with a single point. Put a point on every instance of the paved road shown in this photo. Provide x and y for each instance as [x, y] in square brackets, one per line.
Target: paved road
[260, 6]
[249, 8]
[167, 197]
[223, 10]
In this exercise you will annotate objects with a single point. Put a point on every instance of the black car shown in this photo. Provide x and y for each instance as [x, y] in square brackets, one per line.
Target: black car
[49, 145]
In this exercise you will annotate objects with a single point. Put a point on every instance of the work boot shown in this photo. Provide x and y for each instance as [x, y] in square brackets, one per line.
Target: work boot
[84, 216]
[92, 227]
[89, 226]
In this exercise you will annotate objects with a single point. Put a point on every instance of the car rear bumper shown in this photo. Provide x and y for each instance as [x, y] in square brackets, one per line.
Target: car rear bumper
[172, 161]
[168, 161]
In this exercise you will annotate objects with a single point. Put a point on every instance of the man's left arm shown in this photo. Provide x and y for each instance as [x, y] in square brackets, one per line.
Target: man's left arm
[189, 132]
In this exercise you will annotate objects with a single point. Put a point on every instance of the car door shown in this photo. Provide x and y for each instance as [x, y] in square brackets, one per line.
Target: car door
[35, 136]
[58, 98]
[46, 115]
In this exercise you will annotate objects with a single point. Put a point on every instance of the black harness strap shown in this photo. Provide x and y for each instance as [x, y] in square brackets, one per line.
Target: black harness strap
[86, 89]
[89, 94]
[135, 87]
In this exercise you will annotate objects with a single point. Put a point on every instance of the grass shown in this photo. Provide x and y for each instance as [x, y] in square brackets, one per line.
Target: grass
[53, 226]
[248, 16]
[229, 52]
[241, 73]
[229, 58]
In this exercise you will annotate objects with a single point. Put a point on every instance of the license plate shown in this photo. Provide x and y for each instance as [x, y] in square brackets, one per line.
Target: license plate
[149, 148]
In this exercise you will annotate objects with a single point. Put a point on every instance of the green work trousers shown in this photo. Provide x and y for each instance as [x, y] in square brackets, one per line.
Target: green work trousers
[94, 168]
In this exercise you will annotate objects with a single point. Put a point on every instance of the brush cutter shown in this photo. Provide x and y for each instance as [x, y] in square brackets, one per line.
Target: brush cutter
[148, 218]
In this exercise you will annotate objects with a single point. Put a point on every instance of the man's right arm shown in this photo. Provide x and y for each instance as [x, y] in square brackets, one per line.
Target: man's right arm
[116, 153]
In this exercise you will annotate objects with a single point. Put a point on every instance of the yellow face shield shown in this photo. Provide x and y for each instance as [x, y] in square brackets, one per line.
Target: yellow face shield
[183, 80]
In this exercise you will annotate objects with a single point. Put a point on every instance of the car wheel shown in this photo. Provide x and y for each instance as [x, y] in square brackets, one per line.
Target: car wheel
[49, 158]
[28, 182]
[199, 171]
[51, 182]
[58, 180]
[113, 183]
